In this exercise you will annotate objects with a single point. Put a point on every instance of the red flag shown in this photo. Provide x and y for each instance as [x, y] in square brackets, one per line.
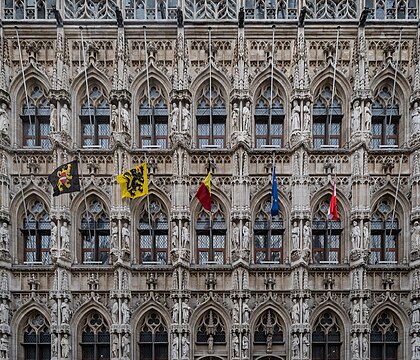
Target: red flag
[204, 193]
[332, 211]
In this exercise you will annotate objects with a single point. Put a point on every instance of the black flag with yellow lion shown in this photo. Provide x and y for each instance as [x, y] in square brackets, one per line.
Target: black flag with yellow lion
[65, 179]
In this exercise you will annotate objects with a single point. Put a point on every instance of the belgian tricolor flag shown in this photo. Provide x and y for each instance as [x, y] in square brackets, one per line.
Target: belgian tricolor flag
[65, 179]
[204, 193]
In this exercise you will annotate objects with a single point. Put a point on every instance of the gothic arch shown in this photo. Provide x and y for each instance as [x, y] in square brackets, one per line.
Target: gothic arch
[279, 78]
[156, 192]
[331, 306]
[149, 306]
[275, 308]
[386, 76]
[78, 204]
[402, 205]
[32, 75]
[284, 202]
[155, 77]
[326, 193]
[217, 77]
[17, 325]
[210, 304]
[342, 85]
[217, 195]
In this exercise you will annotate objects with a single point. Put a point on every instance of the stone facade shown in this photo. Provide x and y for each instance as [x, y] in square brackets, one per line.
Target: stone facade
[191, 86]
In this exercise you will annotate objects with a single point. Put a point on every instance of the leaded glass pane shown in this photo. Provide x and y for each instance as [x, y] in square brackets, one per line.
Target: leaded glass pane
[218, 129]
[319, 128]
[275, 256]
[30, 256]
[203, 129]
[219, 142]
[145, 130]
[335, 128]
[161, 129]
[146, 241]
[260, 256]
[161, 241]
[103, 129]
[218, 257]
[219, 241]
[104, 241]
[203, 241]
[332, 256]
[147, 256]
[261, 241]
[334, 241]
[31, 241]
[261, 129]
[45, 241]
[203, 257]
[161, 257]
[203, 142]
[375, 241]
[276, 241]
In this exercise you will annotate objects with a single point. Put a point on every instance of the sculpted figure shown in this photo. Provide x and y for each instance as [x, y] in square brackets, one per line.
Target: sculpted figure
[415, 313]
[246, 312]
[185, 343]
[415, 347]
[368, 117]
[174, 117]
[235, 236]
[307, 116]
[186, 118]
[65, 119]
[295, 116]
[415, 118]
[4, 237]
[245, 236]
[65, 346]
[53, 118]
[114, 118]
[175, 234]
[355, 348]
[235, 311]
[246, 117]
[356, 116]
[305, 311]
[295, 347]
[235, 117]
[65, 311]
[125, 312]
[175, 347]
[295, 236]
[65, 236]
[185, 236]
[295, 312]
[245, 346]
[355, 235]
[53, 235]
[114, 235]
[185, 312]
[235, 343]
[366, 236]
[307, 235]
[114, 312]
[125, 342]
[175, 312]
[355, 312]
[125, 234]
[415, 236]
[125, 118]
[4, 120]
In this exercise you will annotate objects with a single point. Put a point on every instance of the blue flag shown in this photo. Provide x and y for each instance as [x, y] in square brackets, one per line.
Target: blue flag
[274, 195]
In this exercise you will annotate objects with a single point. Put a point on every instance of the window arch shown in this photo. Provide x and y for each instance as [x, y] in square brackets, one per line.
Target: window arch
[326, 338]
[153, 342]
[384, 339]
[95, 344]
[326, 235]
[211, 117]
[384, 228]
[402, 9]
[153, 118]
[35, 118]
[153, 232]
[269, 332]
[36, 338]
[269, 117]
[95, 231]
[385, 118]
[36, 230]
[211, 236]
[327, 119]
[211, 325]
[25, 9]
[268, 234]
[94, 117]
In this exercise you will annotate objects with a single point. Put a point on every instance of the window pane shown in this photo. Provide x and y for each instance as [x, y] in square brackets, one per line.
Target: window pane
[219, 241]
[145, 129]
[203, 129]
[161, 241]
[203, 241]
[103, 129]
[146, 241]
[218, 257]
[319, 129]
[218, 129]
[261, 129]
[203, 257]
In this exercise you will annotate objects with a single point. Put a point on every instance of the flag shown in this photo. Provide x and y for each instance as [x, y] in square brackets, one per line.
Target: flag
[204, 193]
[65, 179]
[274, 195]
[332, 211]
[134, 182]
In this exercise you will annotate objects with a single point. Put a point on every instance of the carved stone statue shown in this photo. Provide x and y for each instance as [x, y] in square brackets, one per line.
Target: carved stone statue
[295, 312]
[295, 235]
[235, 236]
[246, 312]
[355, 312]
[65, 311]
[185, 346]
[245, 236]
[295, 116]
[4, 120]
[114, 312]
[235, 117]
[235, 345]
[54, 313]
[210, 344]
[368, 116]
[245, 346]
[125, 118]
[174, 117]
[305, 347]
[175, 312]
[235, 311]
[185, 236]
[114, 118]
[54, 345]
[4, 237]
[355, 347]
[355, 236]
[125, 312]
[125, 234]
[175, 235]
[415, 313]
[307, 235]
[115, 346]
[307, 116]
[415, 347]
[125, 344]
[53, 235]
[65, 119]
[114, 235]
[186, 118]
[305, 311]
[246, 117]
[415, 118]
[295, 347]
[365, 347]
[175, 347]
[4, 312]
[65, 346]
[186, 309]
[366, 236]
[65, 236]
[53, 118]
[356, 116]
[415, 236]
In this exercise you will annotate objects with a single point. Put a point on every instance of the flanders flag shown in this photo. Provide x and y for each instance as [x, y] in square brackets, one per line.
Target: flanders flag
[65, 179]
[204, 193]
[133, 182]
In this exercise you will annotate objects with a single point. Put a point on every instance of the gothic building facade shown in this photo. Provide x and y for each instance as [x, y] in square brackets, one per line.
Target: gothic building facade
[326, 93]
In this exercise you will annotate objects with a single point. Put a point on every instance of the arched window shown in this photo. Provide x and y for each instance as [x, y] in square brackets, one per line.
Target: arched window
[326, 338]
[401, 9]
[153, 233]
[268, 332]
[153, 342]
[268, 235]
[36, 119]
[36, 231]
[211, 117]
[36, 338]
[95, 338]
[326, 236]
[269, 117]
[384, 228]
[263, 9]
[94, 117]
[155, 10]
[28, 9]
[153, 118]
[384, 338]
[385, 119]
[95, 233]
[211, 236]
[327, 119]
[211, 325]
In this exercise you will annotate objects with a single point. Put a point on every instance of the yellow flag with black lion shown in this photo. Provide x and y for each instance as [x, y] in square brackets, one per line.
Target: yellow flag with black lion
[133, 182]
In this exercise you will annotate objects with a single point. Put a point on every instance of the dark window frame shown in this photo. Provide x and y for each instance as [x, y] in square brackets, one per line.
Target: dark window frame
[268, 230]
